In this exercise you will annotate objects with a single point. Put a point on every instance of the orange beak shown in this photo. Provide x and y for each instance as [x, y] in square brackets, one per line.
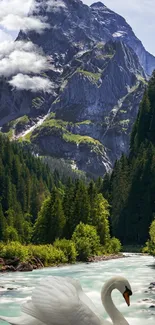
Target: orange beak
[127, 298]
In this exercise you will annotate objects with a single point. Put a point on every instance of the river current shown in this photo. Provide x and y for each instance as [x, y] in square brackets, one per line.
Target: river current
[138, 269]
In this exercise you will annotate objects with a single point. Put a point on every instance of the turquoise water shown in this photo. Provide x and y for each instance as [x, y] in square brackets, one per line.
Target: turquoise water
[139, 270]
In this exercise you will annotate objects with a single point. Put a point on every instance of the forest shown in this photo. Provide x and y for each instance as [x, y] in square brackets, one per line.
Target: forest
[130, 188]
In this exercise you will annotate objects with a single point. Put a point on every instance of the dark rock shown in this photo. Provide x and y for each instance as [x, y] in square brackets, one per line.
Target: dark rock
[152, 306]
[8, 268]
[24, 267]
[15, 261]
[36, 262]
[2, 261]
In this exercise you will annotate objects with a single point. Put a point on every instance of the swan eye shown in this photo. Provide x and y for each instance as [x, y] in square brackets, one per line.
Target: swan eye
[127, 293]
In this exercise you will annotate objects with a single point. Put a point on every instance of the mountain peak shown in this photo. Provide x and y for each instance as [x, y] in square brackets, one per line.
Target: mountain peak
[98, 4]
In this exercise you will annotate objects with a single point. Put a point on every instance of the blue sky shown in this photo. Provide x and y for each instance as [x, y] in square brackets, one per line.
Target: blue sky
[140, 14]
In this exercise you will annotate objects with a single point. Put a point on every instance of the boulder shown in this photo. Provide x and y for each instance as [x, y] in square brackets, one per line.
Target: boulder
[24, 267]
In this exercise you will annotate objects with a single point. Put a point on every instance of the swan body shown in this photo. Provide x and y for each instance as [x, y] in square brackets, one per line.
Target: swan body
[61, 301]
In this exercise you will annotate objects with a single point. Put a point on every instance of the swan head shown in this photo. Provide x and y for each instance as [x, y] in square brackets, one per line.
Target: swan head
[120, 283]
[123, 285]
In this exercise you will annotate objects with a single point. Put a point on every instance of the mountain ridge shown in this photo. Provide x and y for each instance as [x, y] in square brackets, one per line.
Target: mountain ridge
[97, 76]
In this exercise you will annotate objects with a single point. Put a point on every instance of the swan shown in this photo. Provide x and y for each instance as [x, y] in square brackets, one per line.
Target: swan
[61, 301]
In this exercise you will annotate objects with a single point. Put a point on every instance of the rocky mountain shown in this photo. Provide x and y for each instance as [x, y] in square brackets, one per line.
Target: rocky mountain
[99, 70]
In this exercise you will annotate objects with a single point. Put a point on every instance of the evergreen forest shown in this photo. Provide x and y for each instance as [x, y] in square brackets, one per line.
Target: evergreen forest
[130, 188]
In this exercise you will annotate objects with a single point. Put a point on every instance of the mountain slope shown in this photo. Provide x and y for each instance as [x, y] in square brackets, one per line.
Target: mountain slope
[98, 83]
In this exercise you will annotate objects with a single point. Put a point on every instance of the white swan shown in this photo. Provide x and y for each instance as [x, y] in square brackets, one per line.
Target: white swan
[61, 301]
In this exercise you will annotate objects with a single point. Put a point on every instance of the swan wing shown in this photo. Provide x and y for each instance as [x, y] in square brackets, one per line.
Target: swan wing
[83, 297]
[57, 302]
[21, 320]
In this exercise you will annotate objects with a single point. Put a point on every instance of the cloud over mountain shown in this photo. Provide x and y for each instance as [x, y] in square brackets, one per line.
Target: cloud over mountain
[13, 16]
[34, 84]
[21, 61]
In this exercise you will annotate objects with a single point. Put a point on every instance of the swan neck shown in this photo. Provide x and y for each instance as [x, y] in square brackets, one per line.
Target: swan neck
[113, 312]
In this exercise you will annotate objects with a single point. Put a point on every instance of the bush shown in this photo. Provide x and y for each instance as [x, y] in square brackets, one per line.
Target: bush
[150, 244]
[14, 249]
[113, 246]
[68, 248]
[86, 240]
[48, 254]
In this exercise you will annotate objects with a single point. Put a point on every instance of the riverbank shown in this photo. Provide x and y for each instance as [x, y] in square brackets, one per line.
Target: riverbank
[15, 265]
[105, 257]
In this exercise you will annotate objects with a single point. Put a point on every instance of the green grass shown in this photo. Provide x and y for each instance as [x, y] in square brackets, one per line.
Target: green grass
[93, 76]
[22, 120]
[122, 111]
[124, 122]
[51, 125]
[26, 138]
[54, 123]
[77, 138]
[100, 45]
[86, 122]
[37, 102]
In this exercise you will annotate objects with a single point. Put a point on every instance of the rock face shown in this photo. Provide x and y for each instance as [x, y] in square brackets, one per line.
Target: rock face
[99, 69]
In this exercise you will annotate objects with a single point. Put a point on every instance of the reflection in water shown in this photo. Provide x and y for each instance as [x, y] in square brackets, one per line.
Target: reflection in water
[138, 269]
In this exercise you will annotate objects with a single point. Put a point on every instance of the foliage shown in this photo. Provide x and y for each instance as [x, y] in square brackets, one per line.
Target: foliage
[92, 76]
[48, 254]
[150, 244]
[68, 248]
[14, 249]
[87, 242]
[113, 246]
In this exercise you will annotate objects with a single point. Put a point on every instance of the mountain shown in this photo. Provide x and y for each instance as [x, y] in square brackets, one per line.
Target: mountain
[98, 69]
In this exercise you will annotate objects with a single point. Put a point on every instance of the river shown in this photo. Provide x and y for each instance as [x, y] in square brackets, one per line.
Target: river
[138, 269]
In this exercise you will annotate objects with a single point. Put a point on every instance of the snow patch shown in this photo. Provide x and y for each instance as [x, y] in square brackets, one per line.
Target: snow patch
[119, 33]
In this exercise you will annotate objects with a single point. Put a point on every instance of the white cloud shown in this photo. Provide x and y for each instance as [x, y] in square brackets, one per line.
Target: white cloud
[52, 4]
[15, 7]
[7, 47]
[14, 22]
[21, 57]
[34, 84]
[13, 16]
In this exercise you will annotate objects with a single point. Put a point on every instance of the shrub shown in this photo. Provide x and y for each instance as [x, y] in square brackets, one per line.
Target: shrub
[113, 246]
[14, 249]
[86, 240]
[68, 248]
[48, 254]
